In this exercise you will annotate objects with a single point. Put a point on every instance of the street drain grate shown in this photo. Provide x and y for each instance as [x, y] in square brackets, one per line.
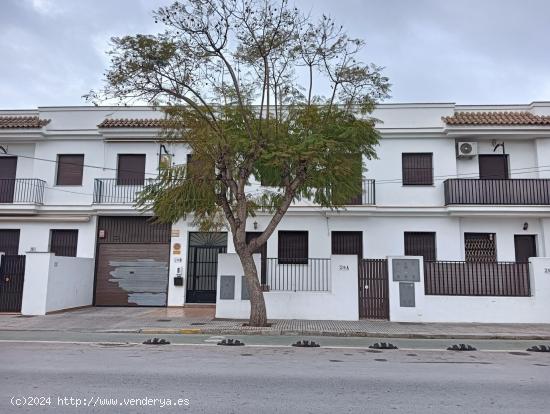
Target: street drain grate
[164, 320]
[156, 341]
[197, 324]
[230, 342]
[461, 347]
[382, 345]
[539, 348]
[306, 344]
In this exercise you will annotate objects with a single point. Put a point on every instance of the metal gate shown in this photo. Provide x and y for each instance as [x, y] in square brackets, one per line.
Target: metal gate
[12, 274]
[373, 289]
[202, 266]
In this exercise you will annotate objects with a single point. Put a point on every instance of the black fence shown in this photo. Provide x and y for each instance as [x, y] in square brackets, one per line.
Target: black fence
[21, 190]
[525, 191]
[367, 196]
[114, 191]
[305, 275]
[476, 278]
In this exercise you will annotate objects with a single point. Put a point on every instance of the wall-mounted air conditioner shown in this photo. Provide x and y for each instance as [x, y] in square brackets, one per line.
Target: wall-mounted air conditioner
[466, 149]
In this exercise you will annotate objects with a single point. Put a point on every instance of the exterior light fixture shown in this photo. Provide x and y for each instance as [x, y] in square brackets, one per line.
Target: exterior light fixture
[255, 225]
[525, 226]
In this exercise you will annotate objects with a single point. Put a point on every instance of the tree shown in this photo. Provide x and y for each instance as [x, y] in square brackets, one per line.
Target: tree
[229, 75]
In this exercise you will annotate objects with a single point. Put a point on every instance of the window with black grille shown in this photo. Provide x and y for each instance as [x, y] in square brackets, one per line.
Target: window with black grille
[417, 168]
[419, 243]
[480, 247]
[64, 242]
[293, 247]
[69, 169]
[131, 169]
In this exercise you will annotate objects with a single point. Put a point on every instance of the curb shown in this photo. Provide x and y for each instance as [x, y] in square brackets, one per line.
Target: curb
[270, 332]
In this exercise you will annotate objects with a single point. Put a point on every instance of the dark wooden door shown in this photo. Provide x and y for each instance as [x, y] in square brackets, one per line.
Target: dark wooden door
[250, 235]
[202, 265]
[373, 289]
[526, 247]
[132, 274]
[8, 168]
[493, 167]
[133, 255]
[9, 242]
[12, 274]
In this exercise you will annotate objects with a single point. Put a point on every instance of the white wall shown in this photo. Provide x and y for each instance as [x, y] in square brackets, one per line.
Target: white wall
[55, 283]
[482, 309]
[339, 303]
[36, 234]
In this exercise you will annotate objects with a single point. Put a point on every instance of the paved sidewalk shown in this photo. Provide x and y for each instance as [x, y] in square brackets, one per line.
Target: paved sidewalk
[201, 320]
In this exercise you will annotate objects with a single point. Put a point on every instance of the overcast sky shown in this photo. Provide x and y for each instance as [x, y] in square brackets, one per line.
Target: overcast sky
[464, 51]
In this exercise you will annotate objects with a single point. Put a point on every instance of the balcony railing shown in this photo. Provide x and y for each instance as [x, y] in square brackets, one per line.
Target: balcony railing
[367, 196]
[298, 275]
[476, 278]
[21, 190]
[114, 191]
[525, 191]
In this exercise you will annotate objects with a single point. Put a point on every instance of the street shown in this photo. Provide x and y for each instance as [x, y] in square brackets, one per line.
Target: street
[262, 379]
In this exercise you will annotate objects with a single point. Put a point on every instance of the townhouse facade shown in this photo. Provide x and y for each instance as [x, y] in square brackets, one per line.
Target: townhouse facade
[465, 188]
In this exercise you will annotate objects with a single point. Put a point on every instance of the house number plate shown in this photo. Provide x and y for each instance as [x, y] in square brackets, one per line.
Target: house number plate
[547, 270]
[343, 267]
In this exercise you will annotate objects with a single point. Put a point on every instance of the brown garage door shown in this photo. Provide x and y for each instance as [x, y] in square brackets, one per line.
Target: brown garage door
[132, 275]
[132, 262]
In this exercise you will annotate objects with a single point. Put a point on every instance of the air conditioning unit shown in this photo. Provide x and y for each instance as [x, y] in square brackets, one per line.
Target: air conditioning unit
[466, 149]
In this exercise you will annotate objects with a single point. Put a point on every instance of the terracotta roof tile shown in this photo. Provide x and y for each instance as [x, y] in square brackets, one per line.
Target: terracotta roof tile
[22, 122]
[132, 123]
[496, 118]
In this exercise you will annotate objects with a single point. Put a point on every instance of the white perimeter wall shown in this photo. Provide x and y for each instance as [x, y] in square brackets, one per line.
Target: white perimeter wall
[482, 309]
[339, 303]
[54, 283]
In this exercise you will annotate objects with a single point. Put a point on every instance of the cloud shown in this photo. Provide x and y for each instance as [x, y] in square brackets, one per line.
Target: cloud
[493, 51]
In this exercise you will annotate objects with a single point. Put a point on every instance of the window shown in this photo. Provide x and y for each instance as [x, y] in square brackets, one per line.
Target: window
[293, 247]
[420, 244]
[417, 168]
[64, 242]
[131, 169]
[493, 166]
[480, 247]
[69, 169]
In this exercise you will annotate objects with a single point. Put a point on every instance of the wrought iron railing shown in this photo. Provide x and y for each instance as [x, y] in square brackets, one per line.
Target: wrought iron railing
[298, 275]
[476, 278]
[524, 191]
[115, 191]
[21, 190]
[367, 196]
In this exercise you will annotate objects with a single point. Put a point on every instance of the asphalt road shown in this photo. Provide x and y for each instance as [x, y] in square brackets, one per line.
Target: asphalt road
[248, 379]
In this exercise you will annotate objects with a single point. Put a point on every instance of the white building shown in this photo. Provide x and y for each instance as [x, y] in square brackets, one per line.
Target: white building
[453, 183]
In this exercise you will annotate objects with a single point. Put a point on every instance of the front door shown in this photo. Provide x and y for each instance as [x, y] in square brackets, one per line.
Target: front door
[8, 167]
[373, 289]
[526, 247]
[202, 265]
[493, 167]
[12, 274]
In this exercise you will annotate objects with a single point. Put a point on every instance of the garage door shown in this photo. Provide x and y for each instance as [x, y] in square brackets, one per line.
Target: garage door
[132, 262]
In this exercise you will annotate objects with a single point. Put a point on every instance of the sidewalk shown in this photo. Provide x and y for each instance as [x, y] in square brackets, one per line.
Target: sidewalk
[201, 321]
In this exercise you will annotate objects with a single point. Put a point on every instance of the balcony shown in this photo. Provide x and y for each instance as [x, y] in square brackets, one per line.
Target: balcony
[115, 191]
[21, 190]
[528, 191]
[367, 196]
[476, 278]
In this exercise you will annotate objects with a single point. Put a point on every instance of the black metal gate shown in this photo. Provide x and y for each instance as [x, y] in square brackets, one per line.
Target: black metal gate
[373, 289]
[12, 274]
[202, 266]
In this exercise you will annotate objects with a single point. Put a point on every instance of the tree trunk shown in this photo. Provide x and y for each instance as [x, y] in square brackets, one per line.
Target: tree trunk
[258, 314]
